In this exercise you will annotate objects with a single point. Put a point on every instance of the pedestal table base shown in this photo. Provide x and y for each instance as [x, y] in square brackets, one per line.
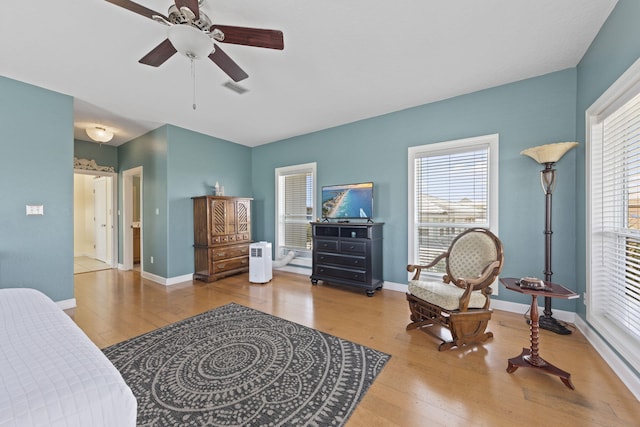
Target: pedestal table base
[526, 360]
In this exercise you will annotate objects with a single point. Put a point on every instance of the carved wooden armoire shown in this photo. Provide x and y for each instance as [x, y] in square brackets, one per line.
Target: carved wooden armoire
[221, 236]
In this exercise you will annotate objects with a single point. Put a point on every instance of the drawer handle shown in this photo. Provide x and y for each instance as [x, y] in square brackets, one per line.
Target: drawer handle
[244, 261]
[222, 253]
[221, 265]
[352, 247]
[356, 262]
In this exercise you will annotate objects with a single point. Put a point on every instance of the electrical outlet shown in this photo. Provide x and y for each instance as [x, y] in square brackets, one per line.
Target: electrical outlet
[151, 260]
[35, 210]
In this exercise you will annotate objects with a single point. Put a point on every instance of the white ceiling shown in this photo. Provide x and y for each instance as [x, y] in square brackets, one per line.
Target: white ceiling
[344, 60]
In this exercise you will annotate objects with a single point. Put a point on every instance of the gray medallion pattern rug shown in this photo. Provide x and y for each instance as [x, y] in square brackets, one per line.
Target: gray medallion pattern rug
[235, 366]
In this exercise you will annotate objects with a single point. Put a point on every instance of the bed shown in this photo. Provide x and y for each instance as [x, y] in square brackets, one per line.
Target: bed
[51, 374]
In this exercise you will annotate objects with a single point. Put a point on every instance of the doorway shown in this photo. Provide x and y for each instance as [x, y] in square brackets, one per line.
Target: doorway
[94, 237]
[132, 210]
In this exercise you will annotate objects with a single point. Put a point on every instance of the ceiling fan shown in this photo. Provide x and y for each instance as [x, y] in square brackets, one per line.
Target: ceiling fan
[192, 34]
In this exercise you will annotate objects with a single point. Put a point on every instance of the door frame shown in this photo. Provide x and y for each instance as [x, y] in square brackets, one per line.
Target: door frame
[127, 218]
[114, 213]
[101, 218]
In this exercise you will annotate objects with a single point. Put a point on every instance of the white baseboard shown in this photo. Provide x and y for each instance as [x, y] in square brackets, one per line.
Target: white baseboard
[162, 280]
[393, 286]
[515, 307]
[622, 370]
[167, 281]
[67, 303]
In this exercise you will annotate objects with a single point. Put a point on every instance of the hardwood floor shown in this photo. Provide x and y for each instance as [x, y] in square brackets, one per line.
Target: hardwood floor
[419, 386]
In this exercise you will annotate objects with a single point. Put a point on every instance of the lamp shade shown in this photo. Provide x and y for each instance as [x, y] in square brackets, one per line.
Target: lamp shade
[549, 153]
[99, 134]
[190, 41]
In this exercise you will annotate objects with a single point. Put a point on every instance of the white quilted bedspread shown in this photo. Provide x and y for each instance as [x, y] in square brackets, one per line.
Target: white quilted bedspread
[51, 374]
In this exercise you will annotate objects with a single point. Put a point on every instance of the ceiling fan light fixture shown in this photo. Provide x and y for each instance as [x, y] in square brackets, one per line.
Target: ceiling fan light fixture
[99, 134]
[190, 41]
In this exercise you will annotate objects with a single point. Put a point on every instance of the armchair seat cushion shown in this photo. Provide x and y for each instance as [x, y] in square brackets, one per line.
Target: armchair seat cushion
[444, 295]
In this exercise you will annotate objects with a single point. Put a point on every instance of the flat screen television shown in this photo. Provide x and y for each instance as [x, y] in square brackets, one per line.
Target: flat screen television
[348, 201]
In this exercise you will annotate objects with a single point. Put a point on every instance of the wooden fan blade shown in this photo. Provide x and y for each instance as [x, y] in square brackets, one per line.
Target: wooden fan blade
[227, 65]
[137, 8]
[192, 5]
[271, 39]
[159, 54]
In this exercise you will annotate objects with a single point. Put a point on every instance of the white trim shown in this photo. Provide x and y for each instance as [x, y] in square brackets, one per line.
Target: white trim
[393, 286]
[127, 218]
[167, 281]
[615, 362]
[66, 304]
[622, 90]
[291, 170]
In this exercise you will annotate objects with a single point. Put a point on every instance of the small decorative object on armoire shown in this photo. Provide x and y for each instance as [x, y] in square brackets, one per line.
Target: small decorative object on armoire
[221, 236]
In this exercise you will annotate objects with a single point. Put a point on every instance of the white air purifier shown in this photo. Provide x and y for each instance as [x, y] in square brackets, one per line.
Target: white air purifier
[260, 262]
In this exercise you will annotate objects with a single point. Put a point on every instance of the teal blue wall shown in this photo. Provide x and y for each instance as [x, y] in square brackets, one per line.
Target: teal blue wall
[103, 154]
[179, 164]
[524, 114]
[36, 167]
[615, 49]
[195, 163]
[150, 152]
[176, 166]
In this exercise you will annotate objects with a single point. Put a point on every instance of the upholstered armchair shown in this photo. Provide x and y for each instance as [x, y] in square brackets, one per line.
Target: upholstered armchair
[456, 308]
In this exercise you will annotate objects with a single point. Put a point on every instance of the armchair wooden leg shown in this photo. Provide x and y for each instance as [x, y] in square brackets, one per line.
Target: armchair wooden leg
[464, 327]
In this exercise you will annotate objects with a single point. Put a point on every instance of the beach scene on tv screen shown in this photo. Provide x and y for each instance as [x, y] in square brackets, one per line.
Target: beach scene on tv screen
[347, 201]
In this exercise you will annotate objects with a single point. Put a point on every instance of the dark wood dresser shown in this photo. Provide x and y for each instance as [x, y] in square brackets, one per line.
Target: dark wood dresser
[348, 254]
[221, 236]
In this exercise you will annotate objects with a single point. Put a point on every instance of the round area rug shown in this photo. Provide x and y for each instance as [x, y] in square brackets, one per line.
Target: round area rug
[235, 366]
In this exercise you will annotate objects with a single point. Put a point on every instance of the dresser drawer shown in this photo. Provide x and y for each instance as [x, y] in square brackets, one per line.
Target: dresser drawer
[230, 264]
[225, 252]
[326, 245]
[231, 238]
[353, 247]
[341, 260]
[322, 271]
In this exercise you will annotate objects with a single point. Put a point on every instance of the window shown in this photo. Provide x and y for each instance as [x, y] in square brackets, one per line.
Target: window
[613, 215]
[295, 209]
[453, 186]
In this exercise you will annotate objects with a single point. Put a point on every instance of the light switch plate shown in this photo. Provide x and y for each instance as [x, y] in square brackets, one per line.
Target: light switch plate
[35, 210]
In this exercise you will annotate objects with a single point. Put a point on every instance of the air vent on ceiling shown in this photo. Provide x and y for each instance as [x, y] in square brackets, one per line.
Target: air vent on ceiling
[235, 87]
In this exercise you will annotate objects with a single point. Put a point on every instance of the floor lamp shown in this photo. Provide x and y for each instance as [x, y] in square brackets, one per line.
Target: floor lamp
[548, 155]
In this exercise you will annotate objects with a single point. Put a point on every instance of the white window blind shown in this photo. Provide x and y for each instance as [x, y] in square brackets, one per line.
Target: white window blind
[452, 191]
[614, 285]
[295, 208]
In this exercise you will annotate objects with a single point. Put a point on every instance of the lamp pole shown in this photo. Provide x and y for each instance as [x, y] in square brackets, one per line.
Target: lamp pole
[548, 181]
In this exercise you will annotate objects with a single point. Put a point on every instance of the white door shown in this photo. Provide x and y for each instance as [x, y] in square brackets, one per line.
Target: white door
[100, 217]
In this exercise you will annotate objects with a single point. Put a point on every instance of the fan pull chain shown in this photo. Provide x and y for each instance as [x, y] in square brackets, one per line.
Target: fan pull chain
[193, 77]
